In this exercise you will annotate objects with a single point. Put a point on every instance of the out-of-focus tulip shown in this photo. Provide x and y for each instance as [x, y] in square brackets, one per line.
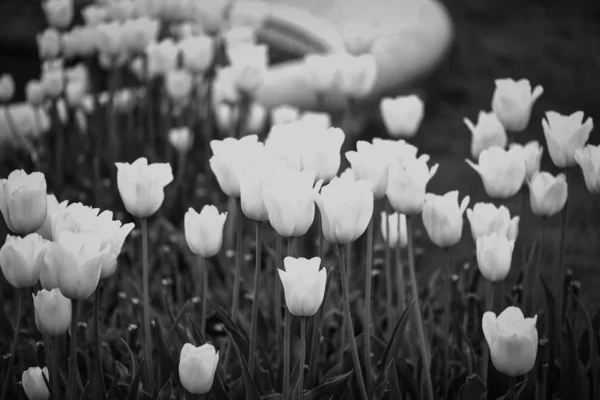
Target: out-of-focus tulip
[322, 72]
[162, 57]
[48, 44]
[502, 172]
[321, 152]
[395, 150]
[283, 115]
[138, 33]
[407, 182]
[257, 116]
[588, 159]
[346, 208]
[59, 13]
[249, 64]
[224, 88]
[75, 93]
[548, 194]
[253, 177]
[241, 34]
[564, 135]
[179, 86]
[315, 120]
[142, 185]
[181, 139]
[204, 231]
[284, 143]
[402, 115]
[392, 239]
[52, 312]
[7, 88]
[52, 79]
[121, 11]
[512, 103]
[367, 164]
[513, 340]
[34, 386]
[358, 75]
[23, 201]
[94, 14]
[81, 41]
[21, 259]
[303, 283]
[198, 53]
[494, 255]
[532, 154]
[489, 132]
[443, 218]
[358, 36]
[486, 219]
[34, 93]
[229, 156]
[197, 366]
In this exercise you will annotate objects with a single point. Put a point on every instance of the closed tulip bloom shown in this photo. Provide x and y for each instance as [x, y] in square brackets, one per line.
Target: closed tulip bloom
[21, 259]
[198, 53]
[588, 159]
[502, 172]
[138, 33]
[564, 135]
[494, 255]
[489, 132]
[52, 206]
[253, 178]
[283, 115]
[53, 80]
[7, 88]
[367, 164]
[346, 208]
[402, 115]
[486, 219]
[322, 72]
[249, 63]
[548, 194]
[59, 13]
[532, 154]
[257, 116]
[34, 386]
[142, 185]
[443, 218]
[162, 57]
[204, 231]
[48, 44]
[358, 75]
[94, 14]
[392, 239]
[23, 201]
[75, 93]
[197, 366]
[513, 340]
[303, 283]
[34, 93]
[321, 152]
[407, 182]
[512, 102]
[229, 156]
[224, 88]
[315, 120]
[179, 84]
[52, 312]
[181, 139]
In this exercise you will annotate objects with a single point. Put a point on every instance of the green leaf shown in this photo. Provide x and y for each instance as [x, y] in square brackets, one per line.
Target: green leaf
[574, 384]
[84, 393]
[472, 389]
[392, 346]
[234, 330]
[519, 391]
[392, 378]
[593, 362]
[113, 387]
[166, 392]
[132, 372]
[175, 324]
[249, 385]
[132, 394]
[333, 386]
[551, 314]
[166, 365]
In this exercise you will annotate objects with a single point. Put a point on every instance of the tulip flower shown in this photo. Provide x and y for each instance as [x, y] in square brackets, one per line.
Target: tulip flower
[162, 57]
[513, 340]
[494, 256]
[502, 172]
[322, 72]
[48, 44]
[486, 219]
[224, 88]
[197, 366]
[321, 152]
[257, 116]
[315, 120]
[348, 174]
[253, 177]
[198, 53]
[358, 75]
[402, 115]
[358, 36]
[110, 43]
[181, 139]
[229, 157]
[564, 135]
[395, 150]
[179, 83]
[81, 41]
[407, 182]
[53, 80]
[532, 154]
[7, 88]
[283, 115]
[548, 194]
[23, 201]
[141, 186]
[34, 93]
[284, 144]
[489, 132]
[249, 64]
[52, 312]
[204, 231]
[512, 103]
[52, 206]
[392, 239]
[588, 159]
[94, 14]
[303, 283]
[442, 218]
[241, 34]
[138, 33]
[34, 386]
[346, 209]
[21, 259]
[59, 13]
[367, 164]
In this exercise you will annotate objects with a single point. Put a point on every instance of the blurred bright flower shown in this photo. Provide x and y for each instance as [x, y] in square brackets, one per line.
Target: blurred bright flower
[34, 386]
[204, 231]
[358, 75]
[253, 177]
[532, 154]
[489, 132]
[110, 44]
[304, 284]
[75, 93]
[494, 256]
[181, 139]
[322, 72]
[564, 135]
[367, 164]
[395, 150]
[48, 43]
[443, 218]
[229, 156]
[257, 117]
[59, 13]
[34, 92]
[21, 259]
[315, 120]
[321, 152]
[197, 366]
[249, 65]
[7, 88]
[283, 115]
[52, 79]
[224, 88]
[588, 159]
[502, 172]
[94, 14]
[138, 33]
[52, 312]
[513, 340]
[548, 194]
[161, 57]
[402, 115]
[198, 53]
[358, 36]
[179, 85]
[512, 102]
[407, 183]
[486, 219]
[240, 34]
[393, 240]
[23, 201]
[81, 41]
[284, 143]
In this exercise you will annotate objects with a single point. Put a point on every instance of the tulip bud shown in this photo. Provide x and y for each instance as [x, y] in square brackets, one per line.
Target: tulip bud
[48, 44]
[59, 13]
[532, 154]
[588, 159]
[181, 139]
[141, 186]
[512, 102]
[303, 283]
[162, 57]
[34, 386]
[249, 64]
[197, 366]
[402, 115]
[321, 152]
[283, 115]
[198, 53]
[367, 164]
[23, 201]
[358, 75]
[502, 172]
[407, 183]
[486, 219]
[489, 132]
[346, 209]
[204, 231]
[252, 180]
[393, 239]
[564, 135]
[494, 255]
[7, 88]
[179, 85]
[52, 312]
[322, 72]
[548, 194]
[34, 93]
[513, 340]
[442, 218]
[21, 259]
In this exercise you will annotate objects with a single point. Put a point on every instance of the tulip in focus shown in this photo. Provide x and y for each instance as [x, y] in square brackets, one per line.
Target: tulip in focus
[23, 201]
[512, 103]
[142, 185]
[513, 341]
[565, 134]
[588, 159]
[548, 194]
[392, 239]
[304, 284]
[321, 152]
[502, 172]
[532, 154]
[34, 386]
[181, 139]
[407, 182]
[486, 219]
[283, 115]
[22, 259]
[204, 231]
[494, 255]
[52, 312]
[443, 218]
[197, 366]
[402, 115]
[59, 13]
[489, 132]
[367, 164]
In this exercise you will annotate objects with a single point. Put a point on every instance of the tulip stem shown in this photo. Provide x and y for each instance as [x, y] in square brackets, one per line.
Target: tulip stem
[389, 295]
[204, 270]
[400, 271]
[560, 282]
[512, 383]
[447, 307]
[99, 371]
[255, 298]
[48, 354]
[489, 306]
[278, 266]
[316, 329]
[302, 357]
[238, 261]
[146, 294]
[286, 355]
[72, 381]
[367, 315]
[13, 347]
[418, 316]
[530, 294]
[349, 325]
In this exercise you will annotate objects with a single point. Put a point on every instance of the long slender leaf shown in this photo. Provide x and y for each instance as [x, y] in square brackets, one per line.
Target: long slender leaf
[250, 387]
[234, 330]
[392, 346]
[472, 389]
[573, 385]
[333, 386]
[132, 394]
[131, 357]
[175, 321]
[167, 365]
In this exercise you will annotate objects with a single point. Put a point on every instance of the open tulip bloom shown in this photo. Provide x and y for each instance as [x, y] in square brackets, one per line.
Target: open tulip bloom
[588, 159]
[486, 219]
[532, 154]
[402, 115]
[502, 172]
[564, 135]
[512, 102]
[488, 132]
[548, 194]
[407, 182]
[321, 152]
[443, 218]
[367, 164]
